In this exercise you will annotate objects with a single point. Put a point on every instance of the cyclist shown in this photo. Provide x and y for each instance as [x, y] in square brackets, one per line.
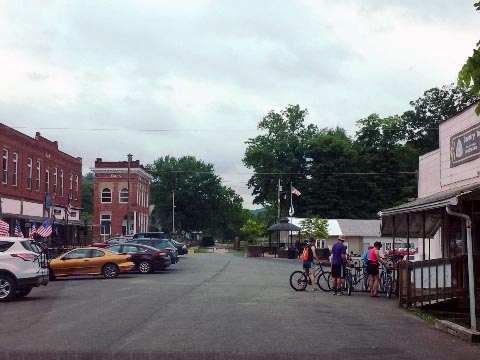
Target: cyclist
[339, 259]
[308, 264]
[373, 261]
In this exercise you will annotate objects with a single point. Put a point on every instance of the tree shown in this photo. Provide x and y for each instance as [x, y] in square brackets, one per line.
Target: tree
[318, 228]
[469, 75]
[420, 125]
[252, 230]
[87, 196]
[201, 202]
[279, 154]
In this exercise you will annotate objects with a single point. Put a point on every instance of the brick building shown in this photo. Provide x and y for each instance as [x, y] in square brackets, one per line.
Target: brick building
[37, 182]
[120, 188]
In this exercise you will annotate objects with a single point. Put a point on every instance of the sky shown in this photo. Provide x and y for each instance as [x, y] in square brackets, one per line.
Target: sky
[195, 77]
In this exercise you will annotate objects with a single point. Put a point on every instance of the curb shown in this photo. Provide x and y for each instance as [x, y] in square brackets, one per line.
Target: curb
[457, 330]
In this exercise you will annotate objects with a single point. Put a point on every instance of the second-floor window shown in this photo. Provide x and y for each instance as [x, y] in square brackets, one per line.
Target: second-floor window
[5, 166]
[37, 177]
[61, 183]
[70, 191]
[55, 176]
[29, 173]
[123, 195]
[106, 195]
[76, 186]
[15, 169]
[47, 181]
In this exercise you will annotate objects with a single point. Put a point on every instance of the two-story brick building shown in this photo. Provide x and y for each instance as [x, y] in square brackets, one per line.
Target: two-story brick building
[120, 188]
[38, 181]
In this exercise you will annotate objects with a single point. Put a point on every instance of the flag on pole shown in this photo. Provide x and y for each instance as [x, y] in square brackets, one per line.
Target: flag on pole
[45, 229]
[33, 231]
[4, 228]
[68, 208]
[296, 192]
[18, 230]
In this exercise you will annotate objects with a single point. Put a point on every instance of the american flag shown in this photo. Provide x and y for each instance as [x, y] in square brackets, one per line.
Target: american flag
[296, 192]
[18, 230]
[45, 229]
[4, 228]
[33, 231]
[68, 208]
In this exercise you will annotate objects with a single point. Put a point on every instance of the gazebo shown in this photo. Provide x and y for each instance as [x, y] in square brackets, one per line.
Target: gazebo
[284, 225]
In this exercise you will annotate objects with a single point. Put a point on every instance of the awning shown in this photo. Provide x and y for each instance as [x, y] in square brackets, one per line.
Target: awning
[424, 214]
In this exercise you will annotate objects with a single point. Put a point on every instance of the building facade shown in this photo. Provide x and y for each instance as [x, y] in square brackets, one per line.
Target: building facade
[38, 182]
[120, 188]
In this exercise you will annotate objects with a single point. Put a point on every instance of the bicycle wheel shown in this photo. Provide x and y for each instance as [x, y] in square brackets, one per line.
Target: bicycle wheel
[324, 280]
[348, 285]
[298, 280]
[389, 287]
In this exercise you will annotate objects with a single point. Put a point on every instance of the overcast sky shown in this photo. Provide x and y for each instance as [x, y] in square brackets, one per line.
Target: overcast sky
[156, 78]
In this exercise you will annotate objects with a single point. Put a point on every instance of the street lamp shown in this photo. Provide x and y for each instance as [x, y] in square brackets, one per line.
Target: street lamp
[129, 156]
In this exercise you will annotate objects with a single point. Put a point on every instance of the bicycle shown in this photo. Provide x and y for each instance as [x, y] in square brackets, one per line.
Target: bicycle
[386, 281]
[300, 279]
[358, 275]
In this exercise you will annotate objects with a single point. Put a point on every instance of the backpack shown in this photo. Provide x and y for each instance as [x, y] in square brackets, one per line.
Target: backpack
[306, 253]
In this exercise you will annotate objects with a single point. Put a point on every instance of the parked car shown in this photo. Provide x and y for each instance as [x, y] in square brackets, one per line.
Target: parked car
[23, 266]
[160, 244]
[181, 247]
[111, 241]
[149, 235]
[90, 261]
[147, 259]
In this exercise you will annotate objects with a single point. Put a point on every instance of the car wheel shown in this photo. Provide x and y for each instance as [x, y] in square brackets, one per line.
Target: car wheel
[110, 271]
[23, 293]
[145, 267]
[7, 288]
[51, 276]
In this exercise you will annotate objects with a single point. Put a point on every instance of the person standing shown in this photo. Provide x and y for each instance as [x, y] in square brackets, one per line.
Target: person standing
[308, 261]
[339, 259]
[373, 261]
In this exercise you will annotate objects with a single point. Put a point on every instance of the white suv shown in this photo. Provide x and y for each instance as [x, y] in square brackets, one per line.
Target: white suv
[23, 265]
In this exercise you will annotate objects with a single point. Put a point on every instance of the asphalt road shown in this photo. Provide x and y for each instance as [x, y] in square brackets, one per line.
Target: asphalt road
[214, 306]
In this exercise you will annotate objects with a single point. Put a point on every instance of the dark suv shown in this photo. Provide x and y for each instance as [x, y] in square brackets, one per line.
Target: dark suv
[147, 259]
[160, 244]
[149, 235]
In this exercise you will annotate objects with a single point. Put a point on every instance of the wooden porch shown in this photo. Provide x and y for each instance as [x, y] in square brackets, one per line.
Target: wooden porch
[429, 282]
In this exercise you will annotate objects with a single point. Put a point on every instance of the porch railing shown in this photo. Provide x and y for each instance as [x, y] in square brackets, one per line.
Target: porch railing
[432, 281]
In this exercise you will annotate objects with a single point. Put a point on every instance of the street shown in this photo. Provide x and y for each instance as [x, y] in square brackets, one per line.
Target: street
[214, 306]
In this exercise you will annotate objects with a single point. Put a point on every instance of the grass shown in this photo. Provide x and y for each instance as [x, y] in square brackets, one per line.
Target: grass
[424, 315]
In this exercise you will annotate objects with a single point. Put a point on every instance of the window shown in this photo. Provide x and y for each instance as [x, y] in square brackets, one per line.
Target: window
[124, 195]
[29, 173]
[106, 195]
[55, 176]
[5, 167]
[76, 187]
[15, 169]
[37, 178]
[77, 254]
[105, 224]
[97, 253]
[61, 183]
[47, 181]
[70, 192]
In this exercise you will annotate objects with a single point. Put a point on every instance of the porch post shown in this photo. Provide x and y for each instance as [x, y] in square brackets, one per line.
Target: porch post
[409, 291]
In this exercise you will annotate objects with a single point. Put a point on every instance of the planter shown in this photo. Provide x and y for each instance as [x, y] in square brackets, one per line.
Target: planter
[253, 250]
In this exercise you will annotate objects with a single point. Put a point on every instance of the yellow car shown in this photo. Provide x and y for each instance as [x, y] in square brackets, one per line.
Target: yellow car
[90, 261]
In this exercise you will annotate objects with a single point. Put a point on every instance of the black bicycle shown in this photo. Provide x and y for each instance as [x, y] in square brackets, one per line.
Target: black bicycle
[300, 279]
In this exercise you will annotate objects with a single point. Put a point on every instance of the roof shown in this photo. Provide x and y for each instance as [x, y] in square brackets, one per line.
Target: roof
[284, 225]
[422, 216]
[349, 227]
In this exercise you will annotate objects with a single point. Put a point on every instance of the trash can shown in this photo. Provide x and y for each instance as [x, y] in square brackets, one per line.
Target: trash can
[292, 253]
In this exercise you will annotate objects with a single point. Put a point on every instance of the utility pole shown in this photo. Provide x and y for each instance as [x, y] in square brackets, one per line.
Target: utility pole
[278, 201]
[173, 211]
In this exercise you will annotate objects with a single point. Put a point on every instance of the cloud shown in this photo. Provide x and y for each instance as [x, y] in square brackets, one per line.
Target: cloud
[157, 78]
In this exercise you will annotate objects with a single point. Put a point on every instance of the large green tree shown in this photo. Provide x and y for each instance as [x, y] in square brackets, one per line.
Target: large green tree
[201, 202]
[469, 75]
[87, 196]
[279, 154]
[420, 124]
